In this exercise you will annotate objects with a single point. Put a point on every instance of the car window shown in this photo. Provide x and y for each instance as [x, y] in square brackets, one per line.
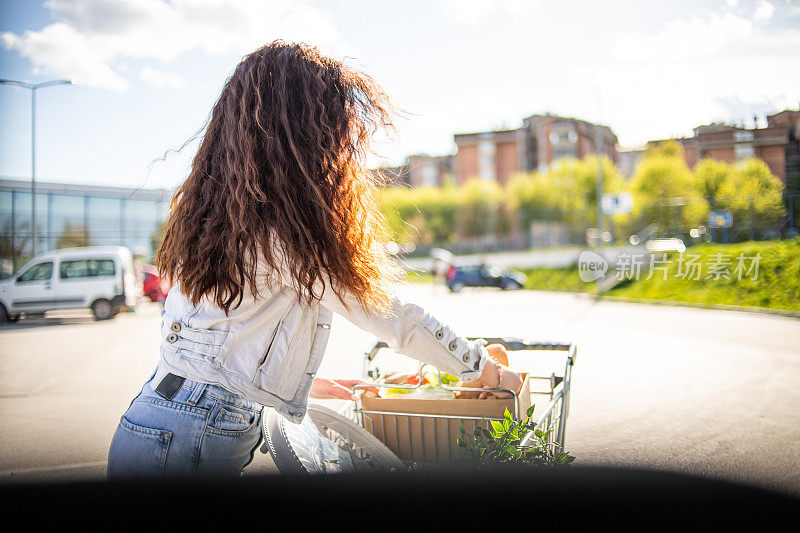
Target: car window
[38, 272]
[495, 272]
[105, 267]
[86, 268]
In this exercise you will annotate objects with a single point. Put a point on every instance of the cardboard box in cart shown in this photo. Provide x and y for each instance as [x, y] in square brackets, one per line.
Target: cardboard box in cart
[425, 430]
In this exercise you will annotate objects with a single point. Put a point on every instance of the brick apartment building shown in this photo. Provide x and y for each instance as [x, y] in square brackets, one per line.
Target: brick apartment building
[489, 156]
[777, 144]
[542, 139]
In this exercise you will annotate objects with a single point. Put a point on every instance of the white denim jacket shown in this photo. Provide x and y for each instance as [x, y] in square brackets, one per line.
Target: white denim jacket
[269, 348]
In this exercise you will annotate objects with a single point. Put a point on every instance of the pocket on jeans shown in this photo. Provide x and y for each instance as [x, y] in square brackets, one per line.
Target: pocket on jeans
[138, 451]
[231, 419]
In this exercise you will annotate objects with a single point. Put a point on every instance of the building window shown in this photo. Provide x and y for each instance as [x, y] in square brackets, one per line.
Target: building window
[744, 151]
[67, 222]
[564, 137]
[486, 147]
[142, 218]
[564, 152]
[429, 174]
[103, 221]
[743, 135]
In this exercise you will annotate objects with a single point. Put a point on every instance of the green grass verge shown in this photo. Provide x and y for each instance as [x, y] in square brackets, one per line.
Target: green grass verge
[556, 279]
[776, 287]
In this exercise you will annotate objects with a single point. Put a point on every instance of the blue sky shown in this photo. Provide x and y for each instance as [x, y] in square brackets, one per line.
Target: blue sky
[147, 72]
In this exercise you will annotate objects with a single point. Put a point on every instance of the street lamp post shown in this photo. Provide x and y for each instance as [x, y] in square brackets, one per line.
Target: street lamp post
[33, 87]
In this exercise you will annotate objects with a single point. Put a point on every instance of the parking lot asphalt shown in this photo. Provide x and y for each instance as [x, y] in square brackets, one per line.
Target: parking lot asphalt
[701, 391]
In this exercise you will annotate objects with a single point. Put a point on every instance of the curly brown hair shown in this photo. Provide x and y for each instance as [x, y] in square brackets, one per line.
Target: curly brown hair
[282, 159]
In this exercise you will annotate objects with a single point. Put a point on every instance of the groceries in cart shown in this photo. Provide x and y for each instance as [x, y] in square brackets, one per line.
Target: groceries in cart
[416, 419]
[436, 385]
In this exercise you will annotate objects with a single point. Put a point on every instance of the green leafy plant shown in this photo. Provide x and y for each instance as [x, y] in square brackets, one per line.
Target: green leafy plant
[502, 444]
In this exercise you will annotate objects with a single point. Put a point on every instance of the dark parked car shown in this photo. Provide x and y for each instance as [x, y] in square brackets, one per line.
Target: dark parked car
[484, 276]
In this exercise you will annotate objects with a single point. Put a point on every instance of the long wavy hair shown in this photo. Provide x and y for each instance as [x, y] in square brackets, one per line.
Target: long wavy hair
[282, 159]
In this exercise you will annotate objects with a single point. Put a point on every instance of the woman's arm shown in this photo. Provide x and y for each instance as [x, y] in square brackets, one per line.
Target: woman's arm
[335, 389]
[412, 331]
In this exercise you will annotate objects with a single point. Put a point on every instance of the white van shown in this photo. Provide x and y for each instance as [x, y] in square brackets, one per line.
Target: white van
[100, 278]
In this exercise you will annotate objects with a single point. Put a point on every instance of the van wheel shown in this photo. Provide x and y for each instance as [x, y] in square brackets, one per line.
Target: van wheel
[3, 314]
[102, 309]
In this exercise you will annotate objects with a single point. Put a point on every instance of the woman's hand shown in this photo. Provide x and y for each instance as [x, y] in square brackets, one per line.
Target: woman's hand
[335, 389]
[497, 376]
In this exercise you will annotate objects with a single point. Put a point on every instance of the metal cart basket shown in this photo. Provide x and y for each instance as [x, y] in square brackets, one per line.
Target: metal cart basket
[405, 432]
[357, 438]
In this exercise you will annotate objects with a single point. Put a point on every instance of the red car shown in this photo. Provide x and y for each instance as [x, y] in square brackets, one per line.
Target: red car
[153, 286]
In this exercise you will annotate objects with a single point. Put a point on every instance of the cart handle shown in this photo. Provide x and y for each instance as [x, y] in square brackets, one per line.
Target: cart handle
[509, 343]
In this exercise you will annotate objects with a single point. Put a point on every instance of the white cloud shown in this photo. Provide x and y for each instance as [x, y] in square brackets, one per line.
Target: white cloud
[162, 80]
[764, 11]
[91, 36]
[685, 39]
[60, 50]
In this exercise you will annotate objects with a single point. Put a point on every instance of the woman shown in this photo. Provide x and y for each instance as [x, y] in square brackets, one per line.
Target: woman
[275, 228]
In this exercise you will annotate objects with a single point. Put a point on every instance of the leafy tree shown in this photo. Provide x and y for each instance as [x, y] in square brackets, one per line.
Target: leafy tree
[422, 215]
[710, 176]
[753, 194]
[439, 207]
[664, 149]
[665, 192]
[478, 203]
[567, 192]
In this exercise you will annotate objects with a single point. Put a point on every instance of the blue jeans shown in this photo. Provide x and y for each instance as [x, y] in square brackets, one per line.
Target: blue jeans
[203, 430]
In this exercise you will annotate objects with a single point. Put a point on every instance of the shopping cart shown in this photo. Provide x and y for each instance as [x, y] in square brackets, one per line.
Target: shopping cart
[359, 439]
